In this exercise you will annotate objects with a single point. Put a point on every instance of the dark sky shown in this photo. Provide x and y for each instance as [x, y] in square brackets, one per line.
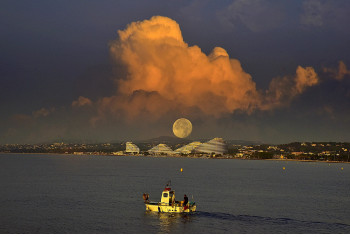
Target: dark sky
[53, 52]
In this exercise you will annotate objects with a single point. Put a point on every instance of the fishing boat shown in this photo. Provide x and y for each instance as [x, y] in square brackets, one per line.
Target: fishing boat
[168, 203]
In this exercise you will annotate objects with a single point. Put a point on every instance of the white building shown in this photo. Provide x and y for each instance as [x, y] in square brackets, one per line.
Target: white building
[161, 149]
[131, 148]
[189, 148]
[216, 146]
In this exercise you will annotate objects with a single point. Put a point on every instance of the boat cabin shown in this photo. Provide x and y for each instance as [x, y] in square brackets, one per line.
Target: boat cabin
[168, 196]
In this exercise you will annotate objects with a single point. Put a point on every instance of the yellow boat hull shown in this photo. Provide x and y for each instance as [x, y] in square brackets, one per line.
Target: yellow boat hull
[161, 207]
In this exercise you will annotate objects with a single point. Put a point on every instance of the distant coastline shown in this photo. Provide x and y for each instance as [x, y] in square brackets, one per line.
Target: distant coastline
[296, 151]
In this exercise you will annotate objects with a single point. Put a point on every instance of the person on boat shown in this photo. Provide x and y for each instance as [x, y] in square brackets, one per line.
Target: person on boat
[145, 197]
[185, 200]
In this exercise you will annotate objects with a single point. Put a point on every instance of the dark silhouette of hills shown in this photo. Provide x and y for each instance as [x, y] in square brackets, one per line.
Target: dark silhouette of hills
[172, 140]
[165, 139]
[243, 142]
[169, 140]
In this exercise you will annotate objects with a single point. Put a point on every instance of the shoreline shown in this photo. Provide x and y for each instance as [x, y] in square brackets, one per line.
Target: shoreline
[322, 161]
[215, 158]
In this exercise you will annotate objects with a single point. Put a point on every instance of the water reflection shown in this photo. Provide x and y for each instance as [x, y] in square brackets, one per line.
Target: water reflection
[170, 222]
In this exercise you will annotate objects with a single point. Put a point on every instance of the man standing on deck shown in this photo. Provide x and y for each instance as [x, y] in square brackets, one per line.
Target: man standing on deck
[185, 200]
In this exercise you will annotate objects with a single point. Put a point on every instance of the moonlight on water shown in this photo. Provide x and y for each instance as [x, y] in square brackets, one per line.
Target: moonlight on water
[182, 128]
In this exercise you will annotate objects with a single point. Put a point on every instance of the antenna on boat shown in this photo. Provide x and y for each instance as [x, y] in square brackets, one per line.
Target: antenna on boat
[168, 184]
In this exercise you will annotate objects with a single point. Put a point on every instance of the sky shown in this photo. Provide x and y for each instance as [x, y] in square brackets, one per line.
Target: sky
[108, 71]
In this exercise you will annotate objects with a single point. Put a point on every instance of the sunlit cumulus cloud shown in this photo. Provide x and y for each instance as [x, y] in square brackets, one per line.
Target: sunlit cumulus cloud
[282, 90]
[166, 75]
[338, 73]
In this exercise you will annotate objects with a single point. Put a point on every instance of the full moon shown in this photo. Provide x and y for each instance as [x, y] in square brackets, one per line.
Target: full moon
[182, 128]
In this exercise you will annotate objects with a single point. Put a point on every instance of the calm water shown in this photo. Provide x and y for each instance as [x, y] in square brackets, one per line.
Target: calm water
[100, 194]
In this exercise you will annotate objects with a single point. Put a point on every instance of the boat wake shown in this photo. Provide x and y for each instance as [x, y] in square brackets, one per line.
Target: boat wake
[275, 225]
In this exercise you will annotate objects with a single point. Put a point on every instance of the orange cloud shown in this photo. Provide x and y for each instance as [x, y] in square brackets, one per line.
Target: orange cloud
[166, 75]
[338, 73]
[82, 101]
[304, 78]
[43, 112]
[282, 90]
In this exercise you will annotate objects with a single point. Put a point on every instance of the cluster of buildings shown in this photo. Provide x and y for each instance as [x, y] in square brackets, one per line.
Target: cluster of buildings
[62, 148]
[216, 146]
[295, 150]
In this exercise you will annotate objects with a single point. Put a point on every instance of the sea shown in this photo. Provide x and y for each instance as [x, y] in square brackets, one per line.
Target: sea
[59, 194]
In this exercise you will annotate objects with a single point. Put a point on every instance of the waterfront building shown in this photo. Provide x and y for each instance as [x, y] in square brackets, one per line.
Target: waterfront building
[132, 148]
[189, 148]
[161, 149]
[214, 146]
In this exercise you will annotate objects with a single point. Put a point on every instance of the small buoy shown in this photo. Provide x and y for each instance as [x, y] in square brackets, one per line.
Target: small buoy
[181, 169]
[284, 168]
